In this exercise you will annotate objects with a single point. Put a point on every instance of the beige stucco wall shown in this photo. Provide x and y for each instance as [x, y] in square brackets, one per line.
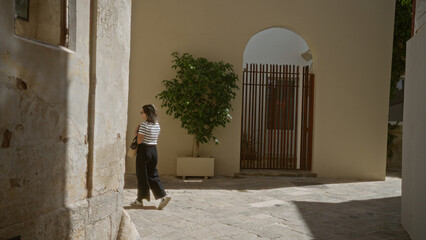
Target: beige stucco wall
[351, 43]
[61, 173]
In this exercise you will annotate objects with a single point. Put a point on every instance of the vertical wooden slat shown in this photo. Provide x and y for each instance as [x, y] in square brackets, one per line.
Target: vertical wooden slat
[287, 87]
[265, 123]
[262, 112]
[278, 118]
[271, 117]
[265, 110]
[265, 126]
[294, 99]
[276, 111]
[295, 140]
[290, 117]
[253, 109]
[258, 159]
[248, 116]
[245, 116]
[311, 118]
[251, 114]
[303, 121]
[242, 148]
[295, 115]
[305, 116]
[274, 126]
[270, 114]
[259, 126]
[277, 114]
[242, 120]
[255, 117]
[280, 165]
[284, 115]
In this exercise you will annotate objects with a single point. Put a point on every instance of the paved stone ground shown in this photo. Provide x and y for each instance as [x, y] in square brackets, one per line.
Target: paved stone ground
[258, 207]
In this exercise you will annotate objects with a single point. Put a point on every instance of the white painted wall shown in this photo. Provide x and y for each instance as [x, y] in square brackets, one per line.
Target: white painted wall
[414, 138]
[276, 46]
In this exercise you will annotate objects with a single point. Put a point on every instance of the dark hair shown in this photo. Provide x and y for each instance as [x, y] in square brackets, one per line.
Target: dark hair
[150, 112]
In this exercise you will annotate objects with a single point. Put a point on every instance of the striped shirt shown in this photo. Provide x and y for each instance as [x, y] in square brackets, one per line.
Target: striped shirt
[150, 131]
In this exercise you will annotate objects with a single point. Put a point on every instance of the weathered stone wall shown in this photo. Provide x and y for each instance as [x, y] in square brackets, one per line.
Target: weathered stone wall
[63, 121]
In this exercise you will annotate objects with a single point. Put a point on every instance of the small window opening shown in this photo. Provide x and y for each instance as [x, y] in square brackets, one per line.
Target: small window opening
[45, 21]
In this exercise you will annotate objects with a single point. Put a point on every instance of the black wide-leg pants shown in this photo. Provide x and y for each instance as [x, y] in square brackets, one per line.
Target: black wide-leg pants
[147, 173]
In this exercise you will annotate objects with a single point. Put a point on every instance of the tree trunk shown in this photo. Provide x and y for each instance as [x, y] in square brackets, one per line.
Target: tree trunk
[195, 148]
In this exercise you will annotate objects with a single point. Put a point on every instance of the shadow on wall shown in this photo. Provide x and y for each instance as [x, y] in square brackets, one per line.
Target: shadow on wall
[367, 219]
[33, 127]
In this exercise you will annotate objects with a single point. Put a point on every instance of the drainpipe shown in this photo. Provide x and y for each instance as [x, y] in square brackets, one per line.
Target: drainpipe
[92, 95]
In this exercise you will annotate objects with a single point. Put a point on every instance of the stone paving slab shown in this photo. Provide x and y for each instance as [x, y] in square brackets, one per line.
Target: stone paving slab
[271, 207]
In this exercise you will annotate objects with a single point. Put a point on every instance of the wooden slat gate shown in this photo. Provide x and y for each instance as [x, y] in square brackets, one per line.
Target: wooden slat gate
[276, 130]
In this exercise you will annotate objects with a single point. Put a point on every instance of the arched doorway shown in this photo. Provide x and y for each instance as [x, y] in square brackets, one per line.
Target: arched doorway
[277, 106]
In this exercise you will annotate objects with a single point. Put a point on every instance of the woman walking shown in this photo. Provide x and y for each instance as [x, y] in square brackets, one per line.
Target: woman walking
[146, 159]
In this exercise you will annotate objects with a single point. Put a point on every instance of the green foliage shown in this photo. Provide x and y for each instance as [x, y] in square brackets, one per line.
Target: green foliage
[199, 96]
[391, 138]
[402, 32]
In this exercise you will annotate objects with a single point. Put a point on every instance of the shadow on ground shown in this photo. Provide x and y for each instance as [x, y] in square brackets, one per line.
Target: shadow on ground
[141, 207]
[239, 183]
[373, 219]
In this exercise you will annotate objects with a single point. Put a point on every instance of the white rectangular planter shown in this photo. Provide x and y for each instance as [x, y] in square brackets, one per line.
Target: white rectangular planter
[195, 167]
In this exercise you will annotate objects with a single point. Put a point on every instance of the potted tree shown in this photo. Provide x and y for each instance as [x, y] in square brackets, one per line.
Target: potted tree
[200, 97]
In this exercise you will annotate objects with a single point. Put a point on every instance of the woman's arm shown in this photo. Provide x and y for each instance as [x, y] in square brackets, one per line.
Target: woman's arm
[140, 136]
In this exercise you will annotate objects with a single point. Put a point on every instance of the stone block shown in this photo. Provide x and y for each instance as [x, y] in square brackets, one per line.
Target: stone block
[115, 223]
[102, 206]
[127, 230]
[99, 230]
[78, 215]
[56, 225]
